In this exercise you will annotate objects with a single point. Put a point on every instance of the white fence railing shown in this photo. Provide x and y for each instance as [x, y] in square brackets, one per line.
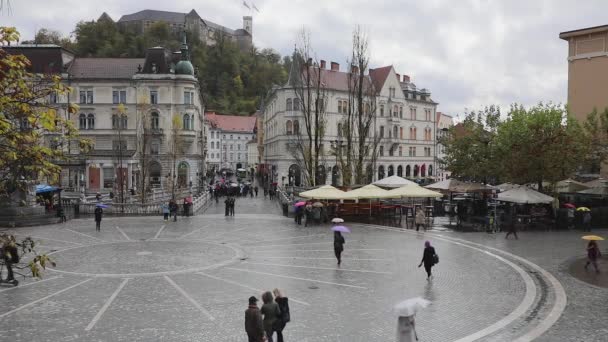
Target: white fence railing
[132, 209]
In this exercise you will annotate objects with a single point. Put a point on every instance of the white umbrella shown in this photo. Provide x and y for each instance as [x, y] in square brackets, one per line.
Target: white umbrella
[337, 220]
[410, 306]
[524, 195]
[393, 182]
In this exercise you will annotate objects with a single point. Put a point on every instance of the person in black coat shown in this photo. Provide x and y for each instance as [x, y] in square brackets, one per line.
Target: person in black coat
[227, 203]
[283, 303]
[98, 214]
[429, 258]
[338, 246]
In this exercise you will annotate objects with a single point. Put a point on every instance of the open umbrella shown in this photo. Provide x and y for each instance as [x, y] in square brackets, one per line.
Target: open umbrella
[337, 220]
[569, 206]
[410, 306]
[592, 238]
[317, 205]
[101, 205]
[583, 209]
[299, 204]
[341, 229]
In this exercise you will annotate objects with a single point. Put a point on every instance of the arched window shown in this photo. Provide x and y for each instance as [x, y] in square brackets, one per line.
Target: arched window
[430, 170]
[296, 127]
[91, 121]
[391, 170]
[416, 169]
[289, 127]
[288, 105]
[82, 121]
[296, 104]
[154, 121]
[408, 171]
[395, 132]
[186, 122]
[423, 171]
[400, 171]
[395, 109]
[380, 172]
[212, 144]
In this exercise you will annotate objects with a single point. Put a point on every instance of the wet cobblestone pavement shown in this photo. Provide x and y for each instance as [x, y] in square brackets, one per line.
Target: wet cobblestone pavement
[143, 279]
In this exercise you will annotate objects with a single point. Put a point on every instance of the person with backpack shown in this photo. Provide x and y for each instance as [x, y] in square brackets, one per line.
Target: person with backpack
[429, 258]
[284, 318]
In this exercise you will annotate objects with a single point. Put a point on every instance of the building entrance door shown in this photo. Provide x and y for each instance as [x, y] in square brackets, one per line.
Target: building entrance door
[94, 178]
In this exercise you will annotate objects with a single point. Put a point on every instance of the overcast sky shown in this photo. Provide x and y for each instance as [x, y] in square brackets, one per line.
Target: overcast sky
[469, 53]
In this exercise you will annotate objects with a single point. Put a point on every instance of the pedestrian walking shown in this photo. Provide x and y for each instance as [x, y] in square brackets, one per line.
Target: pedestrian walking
[420, 219]
[429, 258]
[308, 214]
[98, 215]
[593, 253]
[283, 303]
[232, 204]
[511, 224]
[165, 209]
[271, 312]
[338, 246]
[299, 213]
[256, 191]
[587, 221]
[173, 210]
[254, 326]
[227, 208]
[61, 214]
[406, 329]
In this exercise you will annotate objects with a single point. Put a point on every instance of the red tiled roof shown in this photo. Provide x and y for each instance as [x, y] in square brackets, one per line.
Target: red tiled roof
[379, 76]
[231, 123]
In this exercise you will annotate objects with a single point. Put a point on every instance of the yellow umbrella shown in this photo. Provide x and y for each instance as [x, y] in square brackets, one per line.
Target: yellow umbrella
[583, 209]
[324, 192]
[412, 191]
[592, 238]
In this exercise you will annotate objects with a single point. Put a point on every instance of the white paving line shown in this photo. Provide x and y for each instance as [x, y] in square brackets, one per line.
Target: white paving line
[364, 259]
[192, 232]
[296, 244]
[106, 305]
[122, 232]
[159, 231]
[247, 287]
[287, 238]
[190, 299]
[28, 284]
[43, 298]
[296, 278]
[87, 235]
[317, 250]
[316, 268]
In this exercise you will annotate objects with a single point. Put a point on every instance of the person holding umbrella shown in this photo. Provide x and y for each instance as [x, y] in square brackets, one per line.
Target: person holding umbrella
[429, 258]
[593, 251]
[339, 241]
[406, 324]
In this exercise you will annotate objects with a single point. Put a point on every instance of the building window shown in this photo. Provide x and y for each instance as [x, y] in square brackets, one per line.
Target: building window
[400, 151]
[119, 96]
[212, 135]
[289, 127]
[381, 131]
[395, 132]
[395, 111]
[212, 144]
[82, 121]
[391, 152]
[238, 147]
[53, 97]
[339, 107]
[186, 123]
[296, 127]
[400, 132]
[231, 137]
[427, 151]
[412, 133]
[339, 129]
[231, 147]
[231, 156]
[91, 121]
[119, 121]
[153, 97]
[381, 151]
[296, 104]
[189, 97]
[288, 106]
[381, 110]
[119, 145]
[154, 121]
[86, 96]
[238, 157]
[401, 112]
[412, 152]
[108, 177]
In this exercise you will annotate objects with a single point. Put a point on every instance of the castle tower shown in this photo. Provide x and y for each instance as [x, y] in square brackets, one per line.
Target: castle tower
[248, 24]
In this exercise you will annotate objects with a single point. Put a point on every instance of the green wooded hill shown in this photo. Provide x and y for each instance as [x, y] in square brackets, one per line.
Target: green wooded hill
[232, 81]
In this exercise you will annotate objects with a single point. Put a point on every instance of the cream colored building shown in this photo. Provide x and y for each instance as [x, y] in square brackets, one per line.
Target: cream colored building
[587, 70]
[405, 119]
[152, 91]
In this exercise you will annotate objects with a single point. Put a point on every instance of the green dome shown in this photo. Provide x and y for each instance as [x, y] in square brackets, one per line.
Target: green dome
[184, 68]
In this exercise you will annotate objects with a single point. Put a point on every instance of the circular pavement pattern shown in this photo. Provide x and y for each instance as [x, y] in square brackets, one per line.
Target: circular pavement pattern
[143, 279]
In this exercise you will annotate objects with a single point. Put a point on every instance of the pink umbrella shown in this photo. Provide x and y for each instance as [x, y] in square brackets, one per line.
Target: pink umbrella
[569, 206]
[341, 229]
[299, 204]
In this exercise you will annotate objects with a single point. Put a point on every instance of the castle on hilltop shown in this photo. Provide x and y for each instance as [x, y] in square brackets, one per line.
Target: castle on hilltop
[208, 32]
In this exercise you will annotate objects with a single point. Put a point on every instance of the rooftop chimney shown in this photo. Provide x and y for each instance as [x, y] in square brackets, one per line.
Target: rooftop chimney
[335, 66]
[398, 77]
[354, 69]
[406, 79]
[322, 64]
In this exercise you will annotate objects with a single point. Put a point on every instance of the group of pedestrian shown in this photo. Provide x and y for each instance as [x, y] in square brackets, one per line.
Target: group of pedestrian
[169, 210]
[261, 324]
[230, 202]
[311, 213]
